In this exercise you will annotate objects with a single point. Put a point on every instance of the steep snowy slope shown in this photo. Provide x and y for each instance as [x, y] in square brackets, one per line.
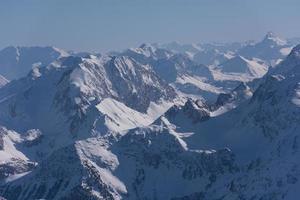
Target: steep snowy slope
[121, 118]
[13, 161]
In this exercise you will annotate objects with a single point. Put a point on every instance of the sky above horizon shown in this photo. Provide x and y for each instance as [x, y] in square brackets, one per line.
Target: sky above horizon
[104, 25]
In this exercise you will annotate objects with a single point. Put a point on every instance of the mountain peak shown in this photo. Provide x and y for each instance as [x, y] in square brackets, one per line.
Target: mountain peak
[271, 36]
[146, 46]
[144, 49]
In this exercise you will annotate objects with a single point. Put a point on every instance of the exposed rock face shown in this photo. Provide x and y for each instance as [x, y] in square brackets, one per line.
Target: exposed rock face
[196, 111]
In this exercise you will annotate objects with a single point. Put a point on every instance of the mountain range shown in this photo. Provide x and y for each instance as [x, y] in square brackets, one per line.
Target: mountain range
[156, 122]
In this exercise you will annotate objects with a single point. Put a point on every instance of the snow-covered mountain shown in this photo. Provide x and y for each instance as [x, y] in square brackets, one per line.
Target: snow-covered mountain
[75, 98]
[262, 134]
[16, 62]
[72, 86]
[127, 126]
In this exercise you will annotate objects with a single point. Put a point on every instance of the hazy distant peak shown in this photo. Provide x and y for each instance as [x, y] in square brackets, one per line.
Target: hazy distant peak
[271, 36]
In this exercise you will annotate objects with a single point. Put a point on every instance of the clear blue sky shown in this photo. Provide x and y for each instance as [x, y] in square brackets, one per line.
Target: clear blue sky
[102, 25]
